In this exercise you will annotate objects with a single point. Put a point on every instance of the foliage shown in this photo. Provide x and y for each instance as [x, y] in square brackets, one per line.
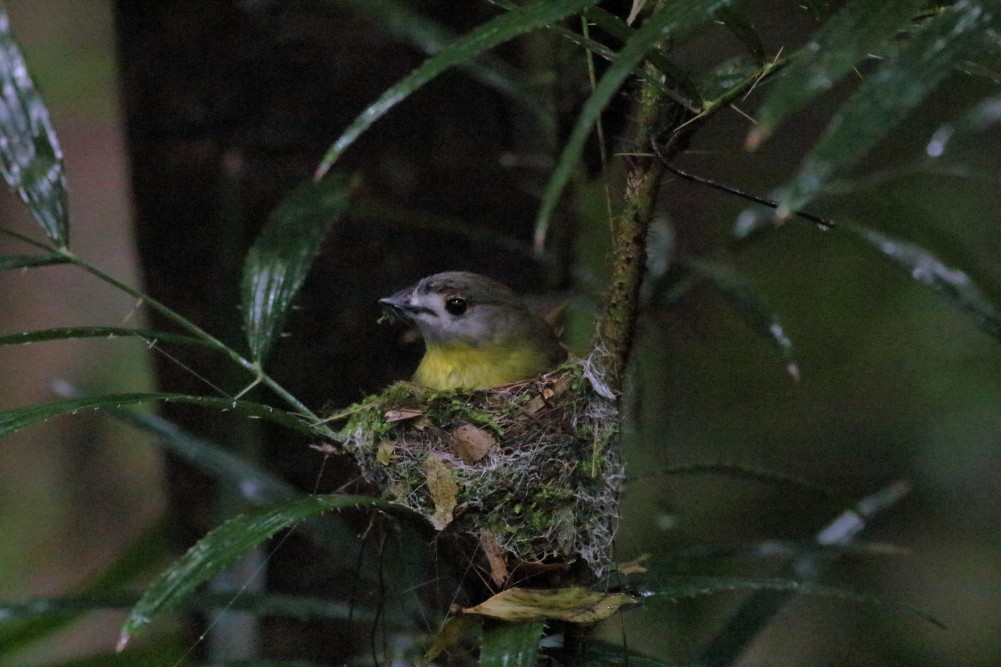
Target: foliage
[906, 49]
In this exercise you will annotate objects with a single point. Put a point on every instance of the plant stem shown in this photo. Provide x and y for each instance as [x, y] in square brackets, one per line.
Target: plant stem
[253, 368]
[215, 343]
[617, 323]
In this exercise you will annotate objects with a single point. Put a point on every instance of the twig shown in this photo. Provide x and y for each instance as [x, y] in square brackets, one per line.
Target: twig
[826, 223]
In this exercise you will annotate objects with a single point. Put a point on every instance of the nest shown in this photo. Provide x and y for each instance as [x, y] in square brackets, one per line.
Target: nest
[527, 473]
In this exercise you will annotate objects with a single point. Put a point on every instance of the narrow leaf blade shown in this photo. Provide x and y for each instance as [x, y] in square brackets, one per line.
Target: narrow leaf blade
[598, 653]
[255, 485]
[293, 606]
[669, 19]
[741, 293]
[488, 35]
[30, 158]
[855, 31]
[757, 611]
[675, 75]
[953, 284]
[431, 37]
[692, 587]
[740, 471]
[16, 419]
[279, 260]
[73, 333]
[887, 97]
[966, 129]
[10, 262]
[511, 645]
[25, 623]
[743, 30]
[224, 545]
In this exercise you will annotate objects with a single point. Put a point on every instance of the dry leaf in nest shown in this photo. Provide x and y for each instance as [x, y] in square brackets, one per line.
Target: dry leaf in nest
[575, 605]
[443, 490]
[495, 557]
[402, 414]
[472, 443]
[384, 454]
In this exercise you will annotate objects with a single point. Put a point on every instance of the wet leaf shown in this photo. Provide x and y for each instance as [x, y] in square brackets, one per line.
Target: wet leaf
[443, 488]
[511, 645]
[575, 605]
[279, 260]
[634, 11]
[431, 37]
[675, 79]
[496, 31]
[741, 28]
[741, 293]
[449, 633]
[711, 555]
[675, 17]
[16, 419]
[293, 606]
[599, 653]
[966, 130]
[257, 486]
[953, 284]
[27, 622]
[30, 158]
[887, 96]
[773, 478]
[693, 587]
[254, 484]
[732, 74]
[861, 27]
[674, 74]
[758, 610]
[222, 547]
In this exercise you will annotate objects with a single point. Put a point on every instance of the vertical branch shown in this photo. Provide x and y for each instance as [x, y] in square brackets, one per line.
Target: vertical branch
[617, 323]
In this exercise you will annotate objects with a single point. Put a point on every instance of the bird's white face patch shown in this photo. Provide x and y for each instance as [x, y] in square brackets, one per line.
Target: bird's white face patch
[456, 308]
[440, 324]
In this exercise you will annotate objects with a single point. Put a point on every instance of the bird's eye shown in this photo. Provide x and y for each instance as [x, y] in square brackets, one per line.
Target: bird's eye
[455, 306]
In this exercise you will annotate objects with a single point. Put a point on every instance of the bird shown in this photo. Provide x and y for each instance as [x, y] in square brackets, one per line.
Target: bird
[477, 332]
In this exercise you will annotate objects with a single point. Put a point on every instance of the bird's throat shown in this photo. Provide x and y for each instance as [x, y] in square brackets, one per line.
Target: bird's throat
[466, 367]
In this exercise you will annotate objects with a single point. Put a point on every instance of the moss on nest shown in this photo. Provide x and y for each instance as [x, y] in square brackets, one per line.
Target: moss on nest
[526, 472]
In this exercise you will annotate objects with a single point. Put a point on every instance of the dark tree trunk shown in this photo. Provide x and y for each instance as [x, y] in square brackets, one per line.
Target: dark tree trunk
[228, 106]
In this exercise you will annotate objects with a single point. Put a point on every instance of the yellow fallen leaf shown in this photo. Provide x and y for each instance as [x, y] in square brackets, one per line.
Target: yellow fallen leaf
[449, 633]
[575, 605]
[634, 566]
[444, 490]
[384, 454]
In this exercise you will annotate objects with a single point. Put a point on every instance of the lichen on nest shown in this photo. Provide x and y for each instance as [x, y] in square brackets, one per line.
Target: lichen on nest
[527, 472]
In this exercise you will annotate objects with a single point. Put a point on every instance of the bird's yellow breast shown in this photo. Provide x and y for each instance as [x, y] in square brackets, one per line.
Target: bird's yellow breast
[465, 367]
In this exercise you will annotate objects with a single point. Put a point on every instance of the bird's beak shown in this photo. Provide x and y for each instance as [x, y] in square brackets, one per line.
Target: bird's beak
[400, 302]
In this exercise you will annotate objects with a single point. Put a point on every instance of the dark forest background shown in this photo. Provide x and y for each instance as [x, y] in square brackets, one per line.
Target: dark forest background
[184, 123]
